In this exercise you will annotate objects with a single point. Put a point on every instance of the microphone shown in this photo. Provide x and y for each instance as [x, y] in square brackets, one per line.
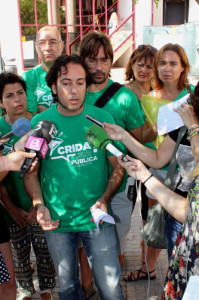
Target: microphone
[38, 143]
[97, 137]
[19, 128]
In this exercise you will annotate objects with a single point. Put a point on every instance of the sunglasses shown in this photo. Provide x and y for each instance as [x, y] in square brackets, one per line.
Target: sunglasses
[144, 47]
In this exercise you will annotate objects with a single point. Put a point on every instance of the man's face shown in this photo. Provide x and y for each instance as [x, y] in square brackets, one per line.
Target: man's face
[99, 67]
[49, 45]
[71, 89]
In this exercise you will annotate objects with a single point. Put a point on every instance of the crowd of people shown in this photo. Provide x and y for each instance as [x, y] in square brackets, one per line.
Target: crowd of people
[50, 210]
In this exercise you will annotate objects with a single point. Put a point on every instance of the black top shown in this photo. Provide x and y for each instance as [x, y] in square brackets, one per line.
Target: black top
[174, 135]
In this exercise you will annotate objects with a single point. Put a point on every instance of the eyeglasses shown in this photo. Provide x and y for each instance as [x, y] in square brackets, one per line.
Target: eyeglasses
[144, 47]
[92, 62]
[52, 43]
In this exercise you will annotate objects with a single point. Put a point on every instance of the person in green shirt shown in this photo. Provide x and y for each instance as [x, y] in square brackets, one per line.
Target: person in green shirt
[97, 52]
[19, 213]
[74, 180]
[49, 46]
[170, 82]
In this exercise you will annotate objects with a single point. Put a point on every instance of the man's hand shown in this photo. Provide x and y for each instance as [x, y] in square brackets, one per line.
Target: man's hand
[102, 204]
[44, 218]
[20, 216]
[32, 215]
[13, 161]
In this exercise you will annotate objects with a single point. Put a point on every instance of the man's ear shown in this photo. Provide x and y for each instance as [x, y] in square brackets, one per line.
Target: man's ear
[54, 89]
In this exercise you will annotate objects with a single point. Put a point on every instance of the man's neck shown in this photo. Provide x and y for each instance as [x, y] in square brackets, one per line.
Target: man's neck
[94, 87]
[46, 65]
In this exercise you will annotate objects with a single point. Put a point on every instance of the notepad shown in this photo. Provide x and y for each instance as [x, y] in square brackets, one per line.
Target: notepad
[169, 120]
[192, 289]
[98, 215]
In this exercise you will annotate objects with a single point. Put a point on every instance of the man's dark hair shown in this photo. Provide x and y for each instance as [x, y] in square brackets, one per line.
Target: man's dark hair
[59, 65]
[89, 46]
[10, 78]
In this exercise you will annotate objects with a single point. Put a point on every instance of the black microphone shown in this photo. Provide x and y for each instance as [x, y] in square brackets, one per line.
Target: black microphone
[38, 143]
[98, 137]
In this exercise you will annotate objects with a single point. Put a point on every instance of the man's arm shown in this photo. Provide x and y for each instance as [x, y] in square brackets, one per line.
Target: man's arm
[33, 188]
[115, 179]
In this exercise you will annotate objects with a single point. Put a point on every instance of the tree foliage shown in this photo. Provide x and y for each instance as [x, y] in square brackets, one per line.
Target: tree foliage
[155, 1]
[27, 14]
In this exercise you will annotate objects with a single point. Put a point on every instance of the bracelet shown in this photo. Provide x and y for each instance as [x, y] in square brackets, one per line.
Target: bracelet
[147, 179]
[4, 167]
[191, 129]
[193, 134]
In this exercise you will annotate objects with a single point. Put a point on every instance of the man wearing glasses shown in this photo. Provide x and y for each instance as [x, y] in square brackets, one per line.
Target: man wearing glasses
[97, 52]
[49, 46]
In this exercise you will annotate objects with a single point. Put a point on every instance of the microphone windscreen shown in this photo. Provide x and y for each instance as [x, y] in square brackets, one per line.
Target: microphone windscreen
[21, 127]
[97, 137]
[45, 130]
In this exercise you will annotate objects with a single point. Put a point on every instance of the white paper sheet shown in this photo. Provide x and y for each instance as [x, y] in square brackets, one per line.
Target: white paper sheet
[98, 214]
[192, 289]
[168, 120]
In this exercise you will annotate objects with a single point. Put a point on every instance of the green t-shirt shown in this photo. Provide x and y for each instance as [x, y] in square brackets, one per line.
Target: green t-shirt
[13, 184]
[124, 108]
[73, 174]
[37, 90]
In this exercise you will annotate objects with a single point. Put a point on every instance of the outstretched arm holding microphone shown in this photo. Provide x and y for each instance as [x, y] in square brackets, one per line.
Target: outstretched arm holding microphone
[13, 161]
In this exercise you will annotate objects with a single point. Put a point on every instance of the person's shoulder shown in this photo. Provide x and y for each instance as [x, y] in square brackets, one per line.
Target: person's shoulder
[2, 121]
[31, 72]
[97, 112]
[192, 87]
[43, 115]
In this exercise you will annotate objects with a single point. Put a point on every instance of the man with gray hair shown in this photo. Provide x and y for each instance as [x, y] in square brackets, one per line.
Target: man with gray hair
[49, 46]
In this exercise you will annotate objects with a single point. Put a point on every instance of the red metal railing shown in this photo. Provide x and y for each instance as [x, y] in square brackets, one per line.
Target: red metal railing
[83, 28]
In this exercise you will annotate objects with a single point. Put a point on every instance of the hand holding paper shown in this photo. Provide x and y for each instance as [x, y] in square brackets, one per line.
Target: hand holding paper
[98, 215]
[169, 120]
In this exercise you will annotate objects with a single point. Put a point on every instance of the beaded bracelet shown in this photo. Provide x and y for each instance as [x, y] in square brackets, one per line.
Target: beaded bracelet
[193, 134]
[147, 179]
[192, 128]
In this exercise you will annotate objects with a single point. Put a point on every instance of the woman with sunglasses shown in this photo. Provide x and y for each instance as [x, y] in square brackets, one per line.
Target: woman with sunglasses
[139, 72]
[170, 82]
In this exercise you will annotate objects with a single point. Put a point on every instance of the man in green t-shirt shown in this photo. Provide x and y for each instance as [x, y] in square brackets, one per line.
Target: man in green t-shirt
[97, 52]
[49, 46]
[74, 177]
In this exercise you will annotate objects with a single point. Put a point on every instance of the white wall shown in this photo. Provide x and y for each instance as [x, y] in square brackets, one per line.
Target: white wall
[158, 14]
[193, 11]
[143, 17]
[125, 9]
[9, 33]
